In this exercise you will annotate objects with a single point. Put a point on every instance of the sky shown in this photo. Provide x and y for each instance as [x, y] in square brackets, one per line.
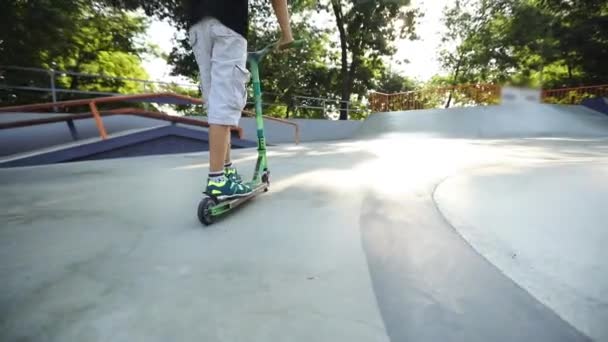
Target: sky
[422, 53]
[161, 33]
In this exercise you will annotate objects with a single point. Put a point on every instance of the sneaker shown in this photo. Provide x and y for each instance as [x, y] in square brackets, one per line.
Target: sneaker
[227, 189]
[231, 173]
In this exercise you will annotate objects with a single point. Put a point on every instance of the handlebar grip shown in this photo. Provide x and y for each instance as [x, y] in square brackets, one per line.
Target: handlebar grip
[294, 44]
[258, 55]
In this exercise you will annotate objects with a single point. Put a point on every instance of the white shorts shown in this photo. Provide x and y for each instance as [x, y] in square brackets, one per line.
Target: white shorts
[221, 55]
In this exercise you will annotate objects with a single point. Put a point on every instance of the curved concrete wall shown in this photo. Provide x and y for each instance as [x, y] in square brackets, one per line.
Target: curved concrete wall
[310, 130]
[517, 120]
[18, 140]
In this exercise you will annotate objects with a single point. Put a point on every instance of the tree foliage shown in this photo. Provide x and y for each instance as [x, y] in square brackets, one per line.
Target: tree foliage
[548, 43]
[78, 36]
[395, 83]
[367, 30]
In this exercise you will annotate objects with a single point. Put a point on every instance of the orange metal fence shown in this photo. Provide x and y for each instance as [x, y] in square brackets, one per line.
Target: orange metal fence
[574, 95]
[93, 102]
[97, 114]
[434, 97]
[478, 94]
[120, 111]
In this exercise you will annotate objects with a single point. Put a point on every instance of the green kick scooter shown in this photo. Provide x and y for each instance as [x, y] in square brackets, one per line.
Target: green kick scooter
[210, 208]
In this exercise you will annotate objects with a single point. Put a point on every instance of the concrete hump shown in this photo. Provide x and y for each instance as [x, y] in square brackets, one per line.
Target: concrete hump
[490, 122]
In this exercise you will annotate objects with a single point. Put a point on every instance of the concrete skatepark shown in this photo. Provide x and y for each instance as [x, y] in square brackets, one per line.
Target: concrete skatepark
[466, 224]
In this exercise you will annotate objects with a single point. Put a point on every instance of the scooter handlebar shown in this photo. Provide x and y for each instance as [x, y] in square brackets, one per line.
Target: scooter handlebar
[276, 47]
[295, 44]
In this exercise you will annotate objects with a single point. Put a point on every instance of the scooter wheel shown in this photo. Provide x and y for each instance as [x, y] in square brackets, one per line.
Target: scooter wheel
[204, 211]
[266, 179]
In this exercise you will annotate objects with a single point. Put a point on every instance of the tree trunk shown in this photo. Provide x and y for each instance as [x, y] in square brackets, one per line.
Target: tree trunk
[346, 82]
[454, 81]
[347, 87]
[447, 105]
[289, 109]
[75, 82]
[288, 99]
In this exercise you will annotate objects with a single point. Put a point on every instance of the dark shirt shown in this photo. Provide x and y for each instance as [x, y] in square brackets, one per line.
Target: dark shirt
[232, 13]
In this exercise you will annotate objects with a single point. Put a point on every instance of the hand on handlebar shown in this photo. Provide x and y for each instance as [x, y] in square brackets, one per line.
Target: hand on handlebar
[280, 46]
[284, 43]
[289, 44]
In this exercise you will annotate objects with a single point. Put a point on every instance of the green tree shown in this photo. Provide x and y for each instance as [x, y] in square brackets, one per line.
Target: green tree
[578, 36]
[459, 25]
[395, 83]
[547, 43]
[302, 72]
[79, 36]
[105, 43]
[473, 46]
[367, 29]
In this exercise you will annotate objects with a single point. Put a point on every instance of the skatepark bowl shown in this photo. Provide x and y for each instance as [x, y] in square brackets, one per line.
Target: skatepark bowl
[466, 224]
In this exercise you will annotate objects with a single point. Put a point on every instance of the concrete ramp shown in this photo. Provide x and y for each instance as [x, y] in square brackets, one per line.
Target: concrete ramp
[167, 139]
[491, 122]
[554, 245]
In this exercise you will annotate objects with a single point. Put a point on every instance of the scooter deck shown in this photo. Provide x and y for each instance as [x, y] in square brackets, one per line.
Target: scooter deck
[210, 208]
[235, 202]
[222, 206]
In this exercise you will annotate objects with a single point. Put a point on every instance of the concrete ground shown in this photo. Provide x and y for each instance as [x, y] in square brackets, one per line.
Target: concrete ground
[544, 225]
[359, 240]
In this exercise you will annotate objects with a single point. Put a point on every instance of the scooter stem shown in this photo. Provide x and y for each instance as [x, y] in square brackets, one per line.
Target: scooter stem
[254, 59]
[259, 120]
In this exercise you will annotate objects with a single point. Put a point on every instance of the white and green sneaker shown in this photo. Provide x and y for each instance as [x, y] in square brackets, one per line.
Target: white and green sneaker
[231, 173]
[224, 188]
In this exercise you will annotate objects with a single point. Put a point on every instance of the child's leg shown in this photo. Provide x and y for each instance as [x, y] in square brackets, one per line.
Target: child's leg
[229, 88]
[218, 50]
[217, 148]
[225, 54]
[227, 160]
[201, 40]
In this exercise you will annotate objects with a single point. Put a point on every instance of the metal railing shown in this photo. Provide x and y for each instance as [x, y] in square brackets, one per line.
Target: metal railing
[330, 108]
[442, 97]
[476, 94]
[46, 81]
[96, 113]
[26, 83]
[574, 95]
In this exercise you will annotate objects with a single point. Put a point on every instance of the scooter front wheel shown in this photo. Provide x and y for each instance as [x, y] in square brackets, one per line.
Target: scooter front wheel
[266, 179]
[204, 211]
